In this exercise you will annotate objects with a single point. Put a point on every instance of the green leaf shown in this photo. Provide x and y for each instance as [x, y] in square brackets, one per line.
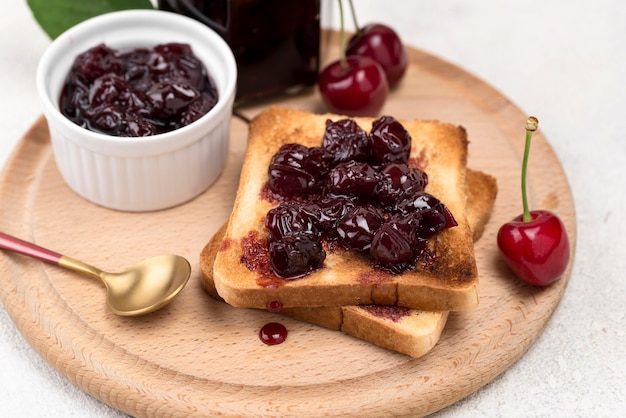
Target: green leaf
[56, 16]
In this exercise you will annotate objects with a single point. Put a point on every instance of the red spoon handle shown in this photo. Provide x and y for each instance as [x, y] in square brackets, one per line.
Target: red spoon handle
[7, 242]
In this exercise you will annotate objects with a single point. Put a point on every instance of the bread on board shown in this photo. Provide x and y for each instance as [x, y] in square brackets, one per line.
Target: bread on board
[450, 282]
[347, 278]
[408, 331]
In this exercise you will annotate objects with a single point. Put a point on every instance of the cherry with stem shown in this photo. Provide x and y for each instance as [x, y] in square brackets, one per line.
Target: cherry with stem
[353, 85]
[534, 245]
[382, 44]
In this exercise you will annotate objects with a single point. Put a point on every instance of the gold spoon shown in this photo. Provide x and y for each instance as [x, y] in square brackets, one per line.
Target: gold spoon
[144, 288]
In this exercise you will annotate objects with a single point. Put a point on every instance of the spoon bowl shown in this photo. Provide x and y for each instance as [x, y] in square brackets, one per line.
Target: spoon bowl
[147, 286]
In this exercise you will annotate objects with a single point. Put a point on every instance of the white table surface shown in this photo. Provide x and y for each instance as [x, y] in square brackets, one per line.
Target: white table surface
[561, 60]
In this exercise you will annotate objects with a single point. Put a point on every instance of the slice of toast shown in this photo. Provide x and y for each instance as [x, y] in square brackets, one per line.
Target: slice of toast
[407, 331]
[348, 278]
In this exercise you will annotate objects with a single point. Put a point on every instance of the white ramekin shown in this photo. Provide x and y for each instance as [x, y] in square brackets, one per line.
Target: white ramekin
[148, 173]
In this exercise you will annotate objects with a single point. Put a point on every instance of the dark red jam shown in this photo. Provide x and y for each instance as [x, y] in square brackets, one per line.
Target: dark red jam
[276, 43]
[274, 306]
[137, 92]
[273, 333]
[255, 255]
[256, 258]
[358, 191]
[392, 313]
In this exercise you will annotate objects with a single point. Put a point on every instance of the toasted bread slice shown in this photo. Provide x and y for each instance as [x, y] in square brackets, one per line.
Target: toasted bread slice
[347, 278]
[407, 331]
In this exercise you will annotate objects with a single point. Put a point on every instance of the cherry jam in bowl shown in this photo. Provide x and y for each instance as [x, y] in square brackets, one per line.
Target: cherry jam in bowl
[165, 168]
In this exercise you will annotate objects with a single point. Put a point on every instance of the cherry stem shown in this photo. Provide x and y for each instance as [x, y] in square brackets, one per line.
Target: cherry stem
[357, 28]
[531, 126]
[342, 39]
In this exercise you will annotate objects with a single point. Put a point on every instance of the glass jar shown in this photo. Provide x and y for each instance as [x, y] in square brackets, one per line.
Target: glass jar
[275, 42]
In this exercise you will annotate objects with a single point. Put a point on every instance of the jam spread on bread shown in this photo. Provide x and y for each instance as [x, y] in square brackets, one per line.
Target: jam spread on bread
[390, 312]
[137, 92]
[358, 191]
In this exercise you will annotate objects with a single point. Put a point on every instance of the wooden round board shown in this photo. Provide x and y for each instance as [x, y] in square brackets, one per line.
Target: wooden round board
[201, 357]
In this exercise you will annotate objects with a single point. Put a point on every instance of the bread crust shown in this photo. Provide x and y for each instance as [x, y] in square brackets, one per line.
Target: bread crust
[481, 190]
[347, 278]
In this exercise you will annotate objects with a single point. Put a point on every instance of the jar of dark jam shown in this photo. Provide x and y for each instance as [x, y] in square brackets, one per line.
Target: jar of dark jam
[275, 42]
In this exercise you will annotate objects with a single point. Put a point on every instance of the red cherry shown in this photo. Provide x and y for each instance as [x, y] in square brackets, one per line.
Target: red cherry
[534, 245]
[354, 87]
[536, 251]
[382, 44]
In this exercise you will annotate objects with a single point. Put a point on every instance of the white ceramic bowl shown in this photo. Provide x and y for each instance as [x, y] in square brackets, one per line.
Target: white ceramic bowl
[147, 173]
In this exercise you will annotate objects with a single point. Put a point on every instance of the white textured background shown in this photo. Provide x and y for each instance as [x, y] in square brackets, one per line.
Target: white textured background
[562, 60]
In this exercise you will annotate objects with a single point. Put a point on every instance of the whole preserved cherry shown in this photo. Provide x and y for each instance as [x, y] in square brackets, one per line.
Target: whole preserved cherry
[390, 246]
[434, 220]
[346, 141]
[288, 218]
[96, 62]
[357, 227]
[197, 109]
[170, 98]
[327, 212]
[177, 61]
[295, 255]
[430, 214]
[416, 202]
[297, 170]
[353, 179]
[399, 180]
[390, 141]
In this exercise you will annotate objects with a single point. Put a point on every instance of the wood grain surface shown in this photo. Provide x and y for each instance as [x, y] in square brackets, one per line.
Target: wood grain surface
[201, 357]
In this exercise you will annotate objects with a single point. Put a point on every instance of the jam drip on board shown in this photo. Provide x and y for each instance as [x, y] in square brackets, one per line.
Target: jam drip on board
[273, 333]
[137, 92]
